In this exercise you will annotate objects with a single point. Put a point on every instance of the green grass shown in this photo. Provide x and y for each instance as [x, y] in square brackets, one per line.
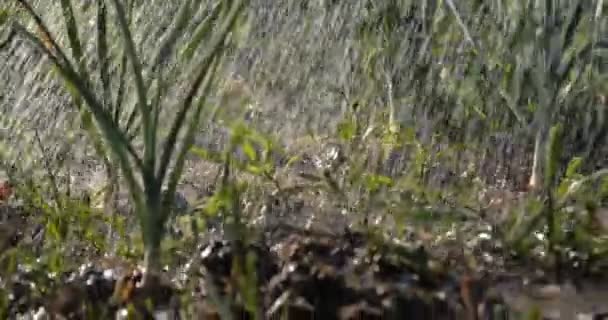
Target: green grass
[412, 107]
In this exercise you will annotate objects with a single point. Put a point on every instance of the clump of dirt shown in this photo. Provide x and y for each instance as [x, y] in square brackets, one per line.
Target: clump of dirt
[282, 270]
[298, 272]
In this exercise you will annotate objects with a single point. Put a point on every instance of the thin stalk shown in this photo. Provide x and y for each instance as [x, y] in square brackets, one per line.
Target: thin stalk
[149, 159]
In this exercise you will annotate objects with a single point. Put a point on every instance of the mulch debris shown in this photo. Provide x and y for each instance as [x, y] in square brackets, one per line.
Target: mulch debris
[279, 272]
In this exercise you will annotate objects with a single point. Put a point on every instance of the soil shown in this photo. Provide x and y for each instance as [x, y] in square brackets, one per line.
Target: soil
[283, 269]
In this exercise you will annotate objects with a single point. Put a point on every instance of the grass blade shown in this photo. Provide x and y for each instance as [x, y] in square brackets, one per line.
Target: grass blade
[117, 141]
[202, 32]
[184, 15]
[215, 46]
[72, 31]
[188, 140]
[102, 54]
[149, 136]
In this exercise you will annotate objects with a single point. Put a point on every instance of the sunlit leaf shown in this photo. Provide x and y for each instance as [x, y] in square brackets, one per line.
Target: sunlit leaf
[347, 129]
[4, 16]
[554, 148]
[249, 150]
[573, 167]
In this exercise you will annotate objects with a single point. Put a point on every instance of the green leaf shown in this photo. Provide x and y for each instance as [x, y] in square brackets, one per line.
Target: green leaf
[374, 182]
[206, 154]
[347, 129]
[256, 170]
[573, 167]
[202, 32]
[102, 53]
[168, 41]
[249, 150]
[4, 16]
[204, 74]
[553, 153]
[293, 160]
[72, 31]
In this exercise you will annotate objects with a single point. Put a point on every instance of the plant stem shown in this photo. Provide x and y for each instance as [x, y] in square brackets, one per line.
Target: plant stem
[152, 258]
[153, 227]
